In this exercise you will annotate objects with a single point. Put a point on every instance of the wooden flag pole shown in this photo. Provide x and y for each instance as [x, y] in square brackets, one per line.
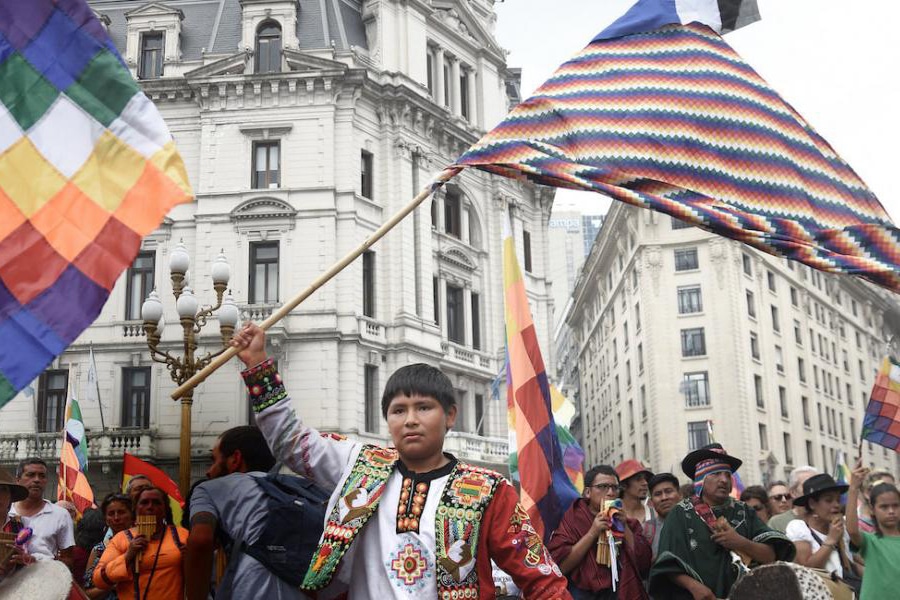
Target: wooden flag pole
[321, 280]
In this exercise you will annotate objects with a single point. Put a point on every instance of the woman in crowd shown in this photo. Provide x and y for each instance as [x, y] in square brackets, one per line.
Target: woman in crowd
[820, 537]
[756, 497]
[866, 520]
[10, 492]
[881, 549]
[119, 515]
[143, 568]
[779, 498]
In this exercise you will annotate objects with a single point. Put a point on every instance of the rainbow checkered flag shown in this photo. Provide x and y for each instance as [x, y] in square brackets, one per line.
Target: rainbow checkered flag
[659, 112]
[547, 490]
[881, 423]
[87, 168]
[73, 460]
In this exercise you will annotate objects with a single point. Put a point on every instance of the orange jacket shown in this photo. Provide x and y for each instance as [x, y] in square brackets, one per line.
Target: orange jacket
[168, 577]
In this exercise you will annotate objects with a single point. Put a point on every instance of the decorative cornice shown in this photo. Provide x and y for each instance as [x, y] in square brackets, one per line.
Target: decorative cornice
[264, 207]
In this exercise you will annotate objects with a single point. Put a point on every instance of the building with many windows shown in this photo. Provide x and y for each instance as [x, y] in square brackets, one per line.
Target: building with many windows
[678, 332]
[304, 125]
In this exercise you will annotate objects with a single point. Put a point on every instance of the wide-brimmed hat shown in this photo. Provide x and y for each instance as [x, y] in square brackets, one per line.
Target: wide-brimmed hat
[18, 492]
[631, 467]
[819, 484]
[708, 452]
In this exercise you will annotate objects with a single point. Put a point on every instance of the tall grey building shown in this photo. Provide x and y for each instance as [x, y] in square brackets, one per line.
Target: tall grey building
[677, 331]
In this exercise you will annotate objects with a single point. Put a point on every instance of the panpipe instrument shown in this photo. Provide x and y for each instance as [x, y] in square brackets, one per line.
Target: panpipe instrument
[146, 526]
[7, 545]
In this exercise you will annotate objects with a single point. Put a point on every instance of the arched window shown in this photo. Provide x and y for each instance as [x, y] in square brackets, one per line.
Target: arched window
[268, 48]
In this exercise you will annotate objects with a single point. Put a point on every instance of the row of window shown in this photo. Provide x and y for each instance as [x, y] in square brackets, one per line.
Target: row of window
[266, 168]
[53, 386]
[267, 58]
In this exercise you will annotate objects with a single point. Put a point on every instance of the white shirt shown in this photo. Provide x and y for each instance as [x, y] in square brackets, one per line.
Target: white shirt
[52, 529]
[798, 531]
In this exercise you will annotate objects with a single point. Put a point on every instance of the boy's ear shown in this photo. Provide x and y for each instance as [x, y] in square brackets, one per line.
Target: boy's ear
[451, 417]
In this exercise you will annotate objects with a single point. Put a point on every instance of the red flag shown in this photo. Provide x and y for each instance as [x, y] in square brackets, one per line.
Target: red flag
[132, 466]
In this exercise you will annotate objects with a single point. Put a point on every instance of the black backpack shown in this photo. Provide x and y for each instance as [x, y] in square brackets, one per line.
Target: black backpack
[295, 518]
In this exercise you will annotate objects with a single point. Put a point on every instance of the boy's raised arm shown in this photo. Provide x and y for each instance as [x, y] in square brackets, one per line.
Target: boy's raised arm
[300, 447]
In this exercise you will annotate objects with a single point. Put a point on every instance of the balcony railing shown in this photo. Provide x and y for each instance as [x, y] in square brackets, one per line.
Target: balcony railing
[465, 355]
[102, 445]
[469, 446]
[370, 329]
[258, 312]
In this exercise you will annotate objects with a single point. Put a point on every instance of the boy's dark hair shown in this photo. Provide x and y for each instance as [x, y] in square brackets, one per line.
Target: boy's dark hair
[592, 473]
[756, 492]
[420, 379]
[250, 441]
[878, 490]
[33, 460]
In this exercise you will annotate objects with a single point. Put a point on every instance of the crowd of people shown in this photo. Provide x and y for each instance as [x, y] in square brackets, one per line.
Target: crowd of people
[411, 520]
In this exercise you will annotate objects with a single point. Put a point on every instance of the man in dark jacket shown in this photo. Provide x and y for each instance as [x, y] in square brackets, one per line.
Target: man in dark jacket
[709, 538]
[584, 526]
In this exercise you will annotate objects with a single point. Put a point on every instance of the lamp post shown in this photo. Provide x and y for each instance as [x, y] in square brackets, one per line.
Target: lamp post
[193, 318]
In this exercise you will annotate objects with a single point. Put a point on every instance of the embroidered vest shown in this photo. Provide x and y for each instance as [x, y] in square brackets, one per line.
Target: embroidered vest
[463, 502]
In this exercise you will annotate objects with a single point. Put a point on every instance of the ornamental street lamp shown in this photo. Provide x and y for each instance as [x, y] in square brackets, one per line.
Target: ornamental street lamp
[193, 318]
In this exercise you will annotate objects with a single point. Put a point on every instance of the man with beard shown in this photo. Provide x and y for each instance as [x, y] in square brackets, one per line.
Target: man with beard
[53, 533]
[664, 494]
[634, 478]
[709, 538]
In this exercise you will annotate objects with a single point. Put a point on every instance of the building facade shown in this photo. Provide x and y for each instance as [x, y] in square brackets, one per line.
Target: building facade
[680, 333]
[304, 125]
[571, 235]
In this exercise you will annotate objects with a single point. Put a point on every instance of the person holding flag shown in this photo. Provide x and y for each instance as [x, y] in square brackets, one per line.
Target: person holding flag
[405, 521]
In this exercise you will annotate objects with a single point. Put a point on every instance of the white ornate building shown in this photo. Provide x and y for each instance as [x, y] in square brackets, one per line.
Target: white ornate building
[304, 125]
[674, 327]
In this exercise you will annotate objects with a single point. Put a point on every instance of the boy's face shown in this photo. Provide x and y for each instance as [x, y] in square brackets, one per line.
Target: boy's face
[418, 425]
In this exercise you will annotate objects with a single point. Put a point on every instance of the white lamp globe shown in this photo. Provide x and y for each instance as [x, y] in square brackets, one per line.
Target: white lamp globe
[221, 271]
[152, 308]
[187, 304]
[179, 260]
[228, 312]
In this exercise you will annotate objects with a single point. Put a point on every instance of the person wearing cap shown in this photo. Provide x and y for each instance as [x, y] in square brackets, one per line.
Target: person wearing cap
[574, 544]
[707, 539]
[664, 494]
[821, 540]
[10, 492]
[634, 478]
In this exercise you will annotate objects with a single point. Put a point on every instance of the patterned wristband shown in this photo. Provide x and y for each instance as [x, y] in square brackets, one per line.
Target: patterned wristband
[264, 384]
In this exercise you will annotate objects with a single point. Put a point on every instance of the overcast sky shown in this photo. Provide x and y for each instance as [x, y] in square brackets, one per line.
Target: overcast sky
[836, 62]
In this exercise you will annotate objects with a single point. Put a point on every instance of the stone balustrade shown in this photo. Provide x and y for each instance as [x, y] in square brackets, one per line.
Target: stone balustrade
[102, 445]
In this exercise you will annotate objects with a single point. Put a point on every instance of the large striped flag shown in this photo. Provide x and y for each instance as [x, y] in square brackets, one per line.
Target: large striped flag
[881, 423]
[132, 465]
[666, 116]
[546, 489]
[73, 459]
[87, 168]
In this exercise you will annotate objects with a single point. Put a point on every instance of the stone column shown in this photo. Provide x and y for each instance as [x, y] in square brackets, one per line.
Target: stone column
[454, 86]
[439, 76]
[474, 117]
[467, 315]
